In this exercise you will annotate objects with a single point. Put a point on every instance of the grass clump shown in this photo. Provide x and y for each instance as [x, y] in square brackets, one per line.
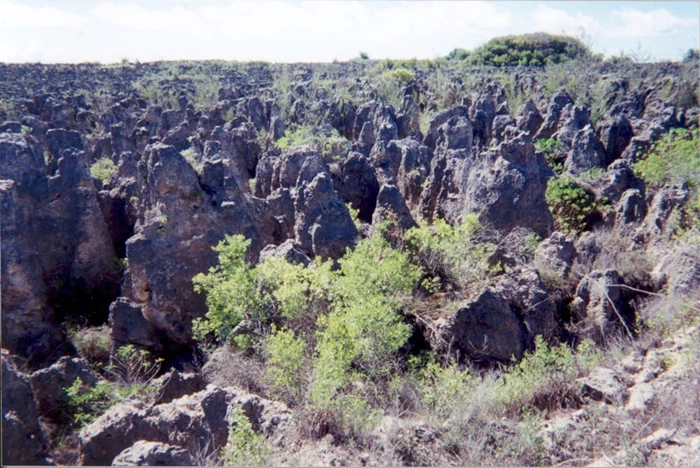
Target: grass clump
[452, 254]
[329, 142]
[102, 169]
[391, 83]
[553, 151]
[130, 371]
[244, 446]
[675, 159]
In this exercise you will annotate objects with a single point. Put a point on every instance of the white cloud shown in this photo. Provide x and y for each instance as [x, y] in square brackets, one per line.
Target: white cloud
[14, 15]
[553, 20]
[136, 17]
[305, 31]
[659, 22]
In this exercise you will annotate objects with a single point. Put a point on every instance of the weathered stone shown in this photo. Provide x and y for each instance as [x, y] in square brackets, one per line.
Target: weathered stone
[145, 453]
[556, 253]
[49, 385]
[23, 439]
[604, 385]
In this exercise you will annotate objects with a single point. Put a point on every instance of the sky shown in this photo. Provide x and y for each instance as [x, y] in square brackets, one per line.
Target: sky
[313, 31]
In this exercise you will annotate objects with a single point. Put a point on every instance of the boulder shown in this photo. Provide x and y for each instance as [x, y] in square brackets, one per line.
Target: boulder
[551, 121]
[604, 385]
[485, 328]
[505, 185]
[600, 306]
[49, 386]
[323, 225]
[196, 423]
[586, 153]
[357, 184]
[23, 438]
[404, 163]
[392, 208]
[174, 384]
[172, 243]
[615, 133]
[146, 453]
[529, 118]
[556, 253]
[56, 246]
[287, 250]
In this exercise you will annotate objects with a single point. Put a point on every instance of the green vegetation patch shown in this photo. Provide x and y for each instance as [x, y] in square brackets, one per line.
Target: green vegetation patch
[537, 49]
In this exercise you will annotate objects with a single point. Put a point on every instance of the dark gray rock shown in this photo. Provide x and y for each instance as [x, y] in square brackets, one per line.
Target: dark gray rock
[392, 209]
[145, 453]
[23, 439]
[287, 250]
[600, 306]
[556, 253]
[615, 133]
[323, 225]
[485, 328]
[175, 384]
[357, 184]
[49, 386]
[505, 185]
[529, 118]
[586, 153]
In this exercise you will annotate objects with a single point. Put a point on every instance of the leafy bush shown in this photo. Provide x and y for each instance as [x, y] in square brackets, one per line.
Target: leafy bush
[458, 54]
[285, 364]
[364, 328]
[103, 169]
[451, 253]
[329, 143]
[674, 159]
[244, 446]
[542, 368]
[231, 293]
[391, 83]
[535, 49]
[445, 390]
[86, 404]
[553, 152]
[570, 205]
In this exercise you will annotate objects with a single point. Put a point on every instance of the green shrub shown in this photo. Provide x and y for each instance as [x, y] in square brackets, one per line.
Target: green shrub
[86, 404]
[285, 365]
[570, 205]
[544, 367]
[535, 49]
[330, 144]
[103, 169]
[391, 83]
[451, 253]
[592, 175]
[458, 54]
[364, 328]
[532, 241]
[553, 153]
[231, 292]
[445, 390]
[674, 159]
[354, 415]
[244, 446]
